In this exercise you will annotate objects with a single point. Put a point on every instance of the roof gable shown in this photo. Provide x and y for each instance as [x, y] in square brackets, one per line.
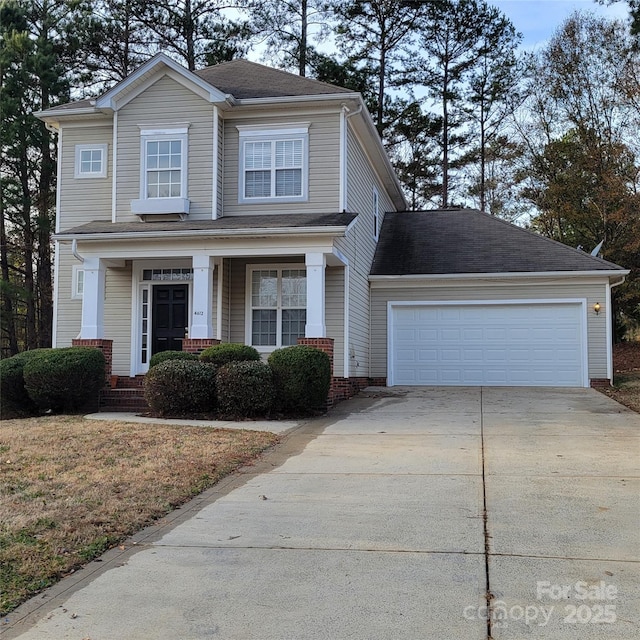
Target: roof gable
[147, 74]
[467, 241]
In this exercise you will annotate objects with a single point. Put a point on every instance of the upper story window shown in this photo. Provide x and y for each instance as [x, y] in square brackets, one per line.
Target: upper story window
[164, 168]
[273, 164]
[163, 171]
[91, 161]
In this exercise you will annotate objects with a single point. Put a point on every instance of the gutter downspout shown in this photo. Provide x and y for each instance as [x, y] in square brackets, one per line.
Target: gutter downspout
[74, 250]
[611, 285]
[345, 114]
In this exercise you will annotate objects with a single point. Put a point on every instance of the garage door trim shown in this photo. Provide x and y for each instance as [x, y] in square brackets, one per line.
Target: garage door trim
[582, 302]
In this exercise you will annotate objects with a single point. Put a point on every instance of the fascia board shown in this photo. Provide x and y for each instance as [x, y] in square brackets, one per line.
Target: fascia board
[416, 279]
[199, 234]
[322, 97]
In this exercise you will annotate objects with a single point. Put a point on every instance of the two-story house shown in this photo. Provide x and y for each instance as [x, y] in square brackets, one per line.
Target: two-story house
[240, 203]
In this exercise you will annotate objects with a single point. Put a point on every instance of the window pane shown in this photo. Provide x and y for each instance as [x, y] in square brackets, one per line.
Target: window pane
[164, 184]
[80, 282]
[91, 161]
[289, 153]
[257, 184]
[263, 327]
[257, 155]
[294, 288]
[264, 289]
[293, 325]
[289, 182]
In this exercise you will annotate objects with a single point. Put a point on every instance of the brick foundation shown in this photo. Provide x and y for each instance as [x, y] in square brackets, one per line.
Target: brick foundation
[198, 345]
[600, 382]
[341, 388]
[106, 346]
[324, 344]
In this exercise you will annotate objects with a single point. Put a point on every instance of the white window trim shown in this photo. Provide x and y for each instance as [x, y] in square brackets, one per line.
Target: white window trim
[77, 281]
[376, 214]
[84, 175]
[254, 133]
[249, 308]
[180, 204]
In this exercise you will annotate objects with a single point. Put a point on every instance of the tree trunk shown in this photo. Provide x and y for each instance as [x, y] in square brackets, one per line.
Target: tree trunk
[44, 273]
[7, 301]
[302, 62]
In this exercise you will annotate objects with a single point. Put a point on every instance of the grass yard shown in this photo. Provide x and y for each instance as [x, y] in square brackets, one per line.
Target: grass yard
[626, 376]
[72, 488]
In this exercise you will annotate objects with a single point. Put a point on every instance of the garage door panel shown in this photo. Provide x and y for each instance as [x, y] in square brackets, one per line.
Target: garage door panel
[489, 344]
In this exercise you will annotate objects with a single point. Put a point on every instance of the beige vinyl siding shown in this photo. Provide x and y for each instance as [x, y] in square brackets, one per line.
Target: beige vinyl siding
[117, 309]
[334, 315]
[238, 291]
[359, 247]
[166, 103]
[83, 200]
[219, 174]
[334, 292]
[69, 310]
[324, 165]
[596, 324]
[226, 300]
[117, 317]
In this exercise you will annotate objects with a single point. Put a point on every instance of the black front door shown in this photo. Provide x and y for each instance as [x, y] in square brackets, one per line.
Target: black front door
[170, 309]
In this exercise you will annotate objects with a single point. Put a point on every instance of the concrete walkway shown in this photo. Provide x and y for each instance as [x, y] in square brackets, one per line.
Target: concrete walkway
[392, 518]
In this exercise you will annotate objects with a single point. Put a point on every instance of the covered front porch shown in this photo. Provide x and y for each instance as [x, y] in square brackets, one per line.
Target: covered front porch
[266, 281]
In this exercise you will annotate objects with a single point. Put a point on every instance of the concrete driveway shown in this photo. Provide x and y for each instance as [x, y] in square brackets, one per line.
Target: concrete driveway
[401, 515]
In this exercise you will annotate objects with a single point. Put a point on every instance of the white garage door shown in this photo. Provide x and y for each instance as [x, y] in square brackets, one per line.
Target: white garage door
[533, 344]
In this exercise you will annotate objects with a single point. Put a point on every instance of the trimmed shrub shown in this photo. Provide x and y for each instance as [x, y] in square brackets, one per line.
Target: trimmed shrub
[157, 358]
[245, 389]
[225, 352]
[67, 379]
[181, 388]
[302, 376]
[14, 399]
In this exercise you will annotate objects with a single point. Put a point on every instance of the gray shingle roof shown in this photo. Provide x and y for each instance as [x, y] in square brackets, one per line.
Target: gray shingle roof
[285, 220]
[469, 241]
[245, 79]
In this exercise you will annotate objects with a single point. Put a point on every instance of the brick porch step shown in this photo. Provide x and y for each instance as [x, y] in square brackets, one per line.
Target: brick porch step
[131, 399]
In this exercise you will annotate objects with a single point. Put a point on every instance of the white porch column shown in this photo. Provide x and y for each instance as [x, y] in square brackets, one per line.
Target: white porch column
[201, 325]
[316, 263]
[95, 273]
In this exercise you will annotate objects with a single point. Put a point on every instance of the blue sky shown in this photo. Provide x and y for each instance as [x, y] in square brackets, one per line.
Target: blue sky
[538, 19]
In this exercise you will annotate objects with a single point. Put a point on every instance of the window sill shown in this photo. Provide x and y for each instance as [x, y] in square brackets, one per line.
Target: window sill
[274, 200]
[160, 206]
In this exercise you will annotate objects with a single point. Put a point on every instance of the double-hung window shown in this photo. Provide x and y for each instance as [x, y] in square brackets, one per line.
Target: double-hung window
[273, 164]
[277, 306]
[163, 171]
[91, 161]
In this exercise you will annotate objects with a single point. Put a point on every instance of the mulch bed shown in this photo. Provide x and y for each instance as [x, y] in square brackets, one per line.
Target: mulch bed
[626, 357]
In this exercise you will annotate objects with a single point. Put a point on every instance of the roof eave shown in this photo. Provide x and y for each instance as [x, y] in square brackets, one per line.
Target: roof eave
[200, 233]
[502, 275]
